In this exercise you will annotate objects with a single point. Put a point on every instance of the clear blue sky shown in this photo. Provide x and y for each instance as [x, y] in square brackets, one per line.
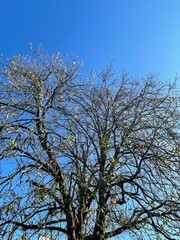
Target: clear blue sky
[143, 36]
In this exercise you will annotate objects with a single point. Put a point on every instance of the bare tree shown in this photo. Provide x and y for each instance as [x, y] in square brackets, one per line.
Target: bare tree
[87, 160]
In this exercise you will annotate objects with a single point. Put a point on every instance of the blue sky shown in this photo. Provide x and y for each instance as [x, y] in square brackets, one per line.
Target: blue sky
[142, 36]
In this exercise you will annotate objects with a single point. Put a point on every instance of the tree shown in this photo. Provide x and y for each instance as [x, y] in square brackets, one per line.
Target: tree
[87, 159]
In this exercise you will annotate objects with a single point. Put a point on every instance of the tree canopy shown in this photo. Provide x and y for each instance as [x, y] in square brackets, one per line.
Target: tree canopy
[87, 158]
